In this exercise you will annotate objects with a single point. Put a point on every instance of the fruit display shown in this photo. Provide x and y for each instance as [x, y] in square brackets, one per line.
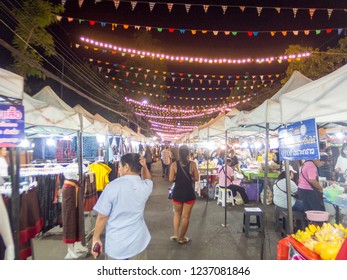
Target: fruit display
[326, 240]
[211, 164]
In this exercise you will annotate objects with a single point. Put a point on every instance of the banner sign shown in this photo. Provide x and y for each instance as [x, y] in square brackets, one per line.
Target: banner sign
[11, 125]
[299, 141]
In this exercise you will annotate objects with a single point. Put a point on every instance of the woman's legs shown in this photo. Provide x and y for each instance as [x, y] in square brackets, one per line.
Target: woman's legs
[177, 217]
[187, 210]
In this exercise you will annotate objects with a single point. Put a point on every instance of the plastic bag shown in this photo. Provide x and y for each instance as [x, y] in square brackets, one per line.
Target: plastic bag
[269, 196]
[171, 191]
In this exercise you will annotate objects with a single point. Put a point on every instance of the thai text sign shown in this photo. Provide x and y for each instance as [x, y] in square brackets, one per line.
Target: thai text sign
[11, 125]
[299, 141]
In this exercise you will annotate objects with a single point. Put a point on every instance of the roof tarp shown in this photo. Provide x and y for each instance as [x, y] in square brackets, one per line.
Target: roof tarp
[47, 95]
[114, 128]
[12, 85]
[324, 99]
[43, 118]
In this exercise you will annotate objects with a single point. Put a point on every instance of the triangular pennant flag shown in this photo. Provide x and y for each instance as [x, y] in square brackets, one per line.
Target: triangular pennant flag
[151, 6]
[80, 3]
[329, 30]
[242, 8]
[330, 11]
[296, 32]
[69, 19]
[193, 32]
[187, 7]
[191, 81]
[205, 76]
[148, 28]
[91, 60]
[108, 70]
[227, 32]
[234, 33]
[116, 3]
[284, 33]
[113, 26]
[145, 75]
[77, 46]
[200, 81]
[224, 8]
[218, 82]
[136, 75]
[59, 18]
[339, 31]
[100, 68]
[259, 9]
[133, 5]
[203, 31]
[154, 77]
[261, 77]
[255, 33]
[164, 78]
[169, 6]
[126, 74]
[278, 10]
[173, 79]
[295, 11]
[63, 2]
[215, 33]
[312, 12]
[272, 33]
[209, 82]
[306, 32]
[137, 27]
[227, 82]
[318, 32]
[125, 26]
[205, 8]
[182, 79]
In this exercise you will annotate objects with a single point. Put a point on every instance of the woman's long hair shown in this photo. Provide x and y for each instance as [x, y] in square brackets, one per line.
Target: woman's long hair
[183, 155]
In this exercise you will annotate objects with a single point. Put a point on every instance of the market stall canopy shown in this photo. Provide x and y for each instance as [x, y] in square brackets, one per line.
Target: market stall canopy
[11, 85]
[42, 118]
[324, 99]
[47, 95]
[113, 128]
[99, 126]
[269, 112]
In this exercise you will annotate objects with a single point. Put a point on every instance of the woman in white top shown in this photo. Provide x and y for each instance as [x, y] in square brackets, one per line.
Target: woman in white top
[341, 164]
[280, 192]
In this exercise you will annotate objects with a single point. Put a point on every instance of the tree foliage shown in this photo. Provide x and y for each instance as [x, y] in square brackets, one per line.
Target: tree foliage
[319, 63]
[32, 39]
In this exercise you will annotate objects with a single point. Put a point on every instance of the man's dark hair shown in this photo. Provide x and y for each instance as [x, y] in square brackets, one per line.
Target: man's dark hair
[133, 159]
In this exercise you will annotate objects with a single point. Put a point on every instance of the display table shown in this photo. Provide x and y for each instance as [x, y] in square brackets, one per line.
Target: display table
[337, 209]
[259, 174]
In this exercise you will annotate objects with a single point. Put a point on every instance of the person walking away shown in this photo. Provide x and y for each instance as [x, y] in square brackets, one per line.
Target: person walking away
[310, 190]
[229, 176]
[121, 210]
[280, 191]
[184, 173]
[149, 157]
[166, 161]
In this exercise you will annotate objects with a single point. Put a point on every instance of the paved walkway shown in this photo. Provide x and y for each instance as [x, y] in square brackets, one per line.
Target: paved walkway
[210, 239]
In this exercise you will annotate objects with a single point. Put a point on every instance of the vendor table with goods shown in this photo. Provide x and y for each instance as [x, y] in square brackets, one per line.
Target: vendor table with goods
[336, 195]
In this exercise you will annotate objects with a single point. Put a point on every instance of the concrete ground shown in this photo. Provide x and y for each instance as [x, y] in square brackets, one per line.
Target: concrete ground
[210, 238]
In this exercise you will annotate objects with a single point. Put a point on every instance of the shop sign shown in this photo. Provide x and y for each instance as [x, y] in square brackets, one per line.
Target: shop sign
[299, 141]
[11, 125]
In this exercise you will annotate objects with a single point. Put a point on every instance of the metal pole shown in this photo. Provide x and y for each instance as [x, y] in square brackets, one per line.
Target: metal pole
[289, 197]
[226, 179]
[15, 197]
[266, 171]
[208, 158]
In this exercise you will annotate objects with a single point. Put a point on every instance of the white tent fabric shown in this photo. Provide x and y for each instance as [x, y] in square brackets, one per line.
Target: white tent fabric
[42, 118]
[12, 85]
[98, 126]
[269, 111]
[113, 128]
[47, 95]
[324, 99]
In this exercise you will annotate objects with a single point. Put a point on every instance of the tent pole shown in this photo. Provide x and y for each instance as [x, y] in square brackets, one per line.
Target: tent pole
[266, 171]
[226, 179]
[15, 197]
[208, 158]
[81, 181]
[289, 197]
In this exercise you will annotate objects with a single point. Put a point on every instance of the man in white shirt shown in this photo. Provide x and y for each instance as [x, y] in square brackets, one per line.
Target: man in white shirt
[166, 161]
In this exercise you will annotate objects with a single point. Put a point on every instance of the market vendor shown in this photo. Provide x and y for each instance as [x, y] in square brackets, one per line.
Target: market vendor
[310, 190]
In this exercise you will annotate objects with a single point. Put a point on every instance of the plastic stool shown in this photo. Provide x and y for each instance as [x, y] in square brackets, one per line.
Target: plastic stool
[252, 226]
[221, 199]
[216, 192]
[298, 218]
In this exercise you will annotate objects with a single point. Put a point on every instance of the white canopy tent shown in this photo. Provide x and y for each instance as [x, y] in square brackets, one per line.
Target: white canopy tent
[47, 95]
[113, 128]
[12, 85]
[324, 99]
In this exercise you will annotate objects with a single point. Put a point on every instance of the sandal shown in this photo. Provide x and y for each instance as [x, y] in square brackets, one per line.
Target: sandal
[184, 241]
[173, 238]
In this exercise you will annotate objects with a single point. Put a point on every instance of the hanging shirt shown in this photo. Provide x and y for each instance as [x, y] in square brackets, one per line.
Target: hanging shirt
[3, 167]
[101, 171]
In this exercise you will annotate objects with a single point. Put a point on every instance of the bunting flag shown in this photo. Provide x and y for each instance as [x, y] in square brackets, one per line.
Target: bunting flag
[63, 2]
[242, 8]
[133, 5]
[224, 9]
[183, 31]
[295, 11]
[169, 6]
[187, 7]
[259, 9]
[116, 3]
[311, 11]
[278, 10]
[80, 3]
[205, 8]
[330, 11]
[151, 6]
[59, 18]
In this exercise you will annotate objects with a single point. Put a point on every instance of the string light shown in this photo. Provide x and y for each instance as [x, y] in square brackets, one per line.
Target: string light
[183, 58]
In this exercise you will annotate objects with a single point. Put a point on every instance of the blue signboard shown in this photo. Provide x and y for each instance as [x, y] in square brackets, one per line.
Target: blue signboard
[11, 125]
[299, 141]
